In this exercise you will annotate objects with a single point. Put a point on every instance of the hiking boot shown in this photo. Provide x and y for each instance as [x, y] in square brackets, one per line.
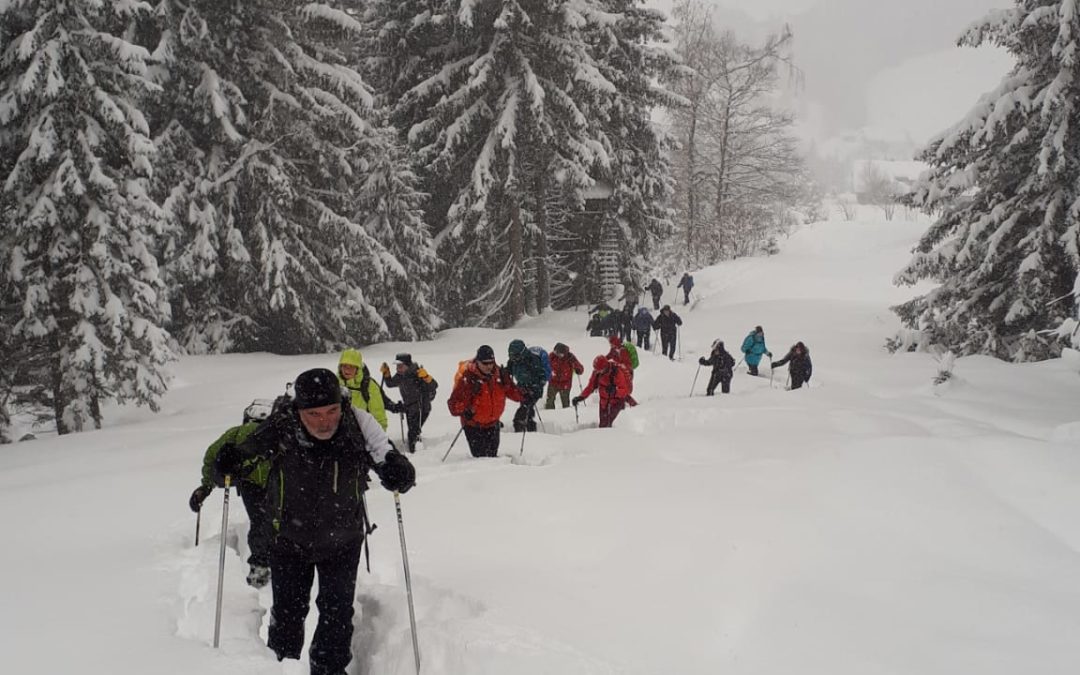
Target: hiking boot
[258, 576]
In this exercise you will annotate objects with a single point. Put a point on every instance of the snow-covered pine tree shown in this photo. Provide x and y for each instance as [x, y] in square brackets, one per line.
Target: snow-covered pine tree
[296, 216]
[1005, 185]
[495, 96]
[629, 53]
[77, 222]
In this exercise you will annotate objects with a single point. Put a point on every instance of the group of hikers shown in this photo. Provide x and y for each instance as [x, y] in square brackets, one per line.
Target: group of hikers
[301, 463]
[753, 348]
[604, 320]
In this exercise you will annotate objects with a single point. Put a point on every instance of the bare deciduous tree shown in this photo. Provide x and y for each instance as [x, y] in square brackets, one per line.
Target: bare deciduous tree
[739, 169]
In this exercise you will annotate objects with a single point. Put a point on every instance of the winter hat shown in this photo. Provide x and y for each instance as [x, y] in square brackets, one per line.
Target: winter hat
[516, 347]
[599, 363]
[665, 308]
[351, 357]
[404, 359]
[485, 353]
[614, 341]
[759, 329]
[560, 348]
[316, 388]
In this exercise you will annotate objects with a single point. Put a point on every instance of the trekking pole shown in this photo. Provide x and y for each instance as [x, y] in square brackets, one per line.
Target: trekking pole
[696, 372]
[577, 420]
[540, 417]
[408, 580]
[770, 372]
[221, 563]
[678, 339]
[522, 451]
[198, 521]
[401, 419]
[452, 444]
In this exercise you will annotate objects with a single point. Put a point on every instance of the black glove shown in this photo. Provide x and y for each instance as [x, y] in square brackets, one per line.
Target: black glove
[769, 354]
[229, 462]
[396, 408]
[468, 414]
[397, 473]
[198, 497]
[702, 361]
[576, 400]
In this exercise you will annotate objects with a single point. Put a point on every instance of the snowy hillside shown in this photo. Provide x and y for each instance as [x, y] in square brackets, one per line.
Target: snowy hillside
[872, 524]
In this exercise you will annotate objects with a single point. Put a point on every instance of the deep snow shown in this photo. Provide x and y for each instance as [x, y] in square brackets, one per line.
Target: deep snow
[873, 524]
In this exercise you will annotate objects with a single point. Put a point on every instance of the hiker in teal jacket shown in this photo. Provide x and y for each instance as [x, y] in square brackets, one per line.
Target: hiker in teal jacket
[531, 376]
[753, 348]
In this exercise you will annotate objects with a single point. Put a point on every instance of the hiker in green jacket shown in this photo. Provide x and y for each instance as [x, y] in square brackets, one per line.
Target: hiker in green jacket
[252, 489]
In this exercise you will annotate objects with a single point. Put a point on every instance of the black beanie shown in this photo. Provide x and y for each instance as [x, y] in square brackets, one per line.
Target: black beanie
[316, 388]
[404, 358]
[485, 353]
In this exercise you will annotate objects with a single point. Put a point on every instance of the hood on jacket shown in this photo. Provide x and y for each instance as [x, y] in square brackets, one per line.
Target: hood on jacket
[516, 348]
[351, 357]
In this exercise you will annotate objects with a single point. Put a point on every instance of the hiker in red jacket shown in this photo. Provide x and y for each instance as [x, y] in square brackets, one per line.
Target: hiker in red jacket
[612, 379]
[563, 366]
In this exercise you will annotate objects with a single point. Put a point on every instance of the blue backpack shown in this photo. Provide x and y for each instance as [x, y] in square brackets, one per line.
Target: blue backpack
[542, 353]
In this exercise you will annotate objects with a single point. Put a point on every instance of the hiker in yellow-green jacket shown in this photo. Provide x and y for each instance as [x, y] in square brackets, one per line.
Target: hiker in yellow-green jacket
[252, 489]
[365, 392]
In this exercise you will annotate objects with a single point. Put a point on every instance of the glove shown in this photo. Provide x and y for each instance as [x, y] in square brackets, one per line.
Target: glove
[229, 462]
[423, 374]
[397, 473]
[576, 400]
[395, 408]
[468, 414]
[769, 354]
[702, 361]
[198, 497]
[385, 370]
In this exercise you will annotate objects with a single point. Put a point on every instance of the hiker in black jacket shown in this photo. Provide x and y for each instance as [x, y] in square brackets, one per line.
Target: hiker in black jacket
[320, 449]
[723, 364]
[657, 291]
[417, 392]
[799, 366]
[667, 323]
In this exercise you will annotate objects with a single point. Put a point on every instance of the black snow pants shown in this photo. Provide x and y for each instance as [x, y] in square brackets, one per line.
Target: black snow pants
[260, 532]
[483, 441]
[721, 377]
[667, 344]
[643, 339]
[292, 570]
[525, 416]
[416, 413]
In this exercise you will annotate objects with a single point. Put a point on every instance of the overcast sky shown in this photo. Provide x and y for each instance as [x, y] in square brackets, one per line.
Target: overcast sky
[878, 63]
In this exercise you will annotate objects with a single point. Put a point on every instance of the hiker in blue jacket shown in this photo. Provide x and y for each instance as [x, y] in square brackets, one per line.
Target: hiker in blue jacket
[753, 348]
[686, 284]
[643, 322]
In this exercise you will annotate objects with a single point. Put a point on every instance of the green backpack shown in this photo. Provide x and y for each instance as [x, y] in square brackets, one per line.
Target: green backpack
[629, 346]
